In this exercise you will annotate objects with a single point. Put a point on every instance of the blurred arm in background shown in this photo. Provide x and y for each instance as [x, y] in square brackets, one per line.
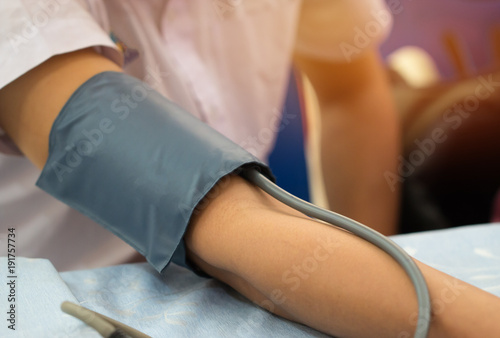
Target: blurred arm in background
[360, 136]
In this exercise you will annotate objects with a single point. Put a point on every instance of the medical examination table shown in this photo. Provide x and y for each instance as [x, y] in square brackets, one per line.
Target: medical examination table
[181, 304]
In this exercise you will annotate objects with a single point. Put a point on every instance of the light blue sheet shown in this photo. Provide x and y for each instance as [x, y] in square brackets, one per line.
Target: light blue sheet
[185, 305]
[39, 292]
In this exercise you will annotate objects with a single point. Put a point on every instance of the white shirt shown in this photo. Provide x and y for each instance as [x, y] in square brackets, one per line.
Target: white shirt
[224, 61]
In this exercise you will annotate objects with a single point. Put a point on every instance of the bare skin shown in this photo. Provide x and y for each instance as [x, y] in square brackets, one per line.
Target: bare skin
[360, 129]
[360, 138]
[29, 105]
[300, 269]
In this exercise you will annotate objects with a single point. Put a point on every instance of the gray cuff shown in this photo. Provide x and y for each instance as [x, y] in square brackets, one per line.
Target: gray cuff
[134, 162]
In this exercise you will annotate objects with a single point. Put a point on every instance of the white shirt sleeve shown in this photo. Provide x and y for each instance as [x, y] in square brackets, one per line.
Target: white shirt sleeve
[340, 30]
[32, 31]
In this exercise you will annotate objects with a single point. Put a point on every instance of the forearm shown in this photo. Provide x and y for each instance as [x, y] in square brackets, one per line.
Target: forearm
[359, 144]
[359, 138]
[322, 276]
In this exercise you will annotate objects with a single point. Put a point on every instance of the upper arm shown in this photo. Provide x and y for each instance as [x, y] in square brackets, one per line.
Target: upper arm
[30, 104]
[45, 54]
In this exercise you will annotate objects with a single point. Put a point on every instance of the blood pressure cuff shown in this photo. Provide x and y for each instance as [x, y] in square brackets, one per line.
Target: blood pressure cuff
[134, 162]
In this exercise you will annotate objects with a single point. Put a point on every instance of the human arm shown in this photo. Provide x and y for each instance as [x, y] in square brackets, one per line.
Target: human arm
[250, 241]
[359, 131]
[30, 104]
